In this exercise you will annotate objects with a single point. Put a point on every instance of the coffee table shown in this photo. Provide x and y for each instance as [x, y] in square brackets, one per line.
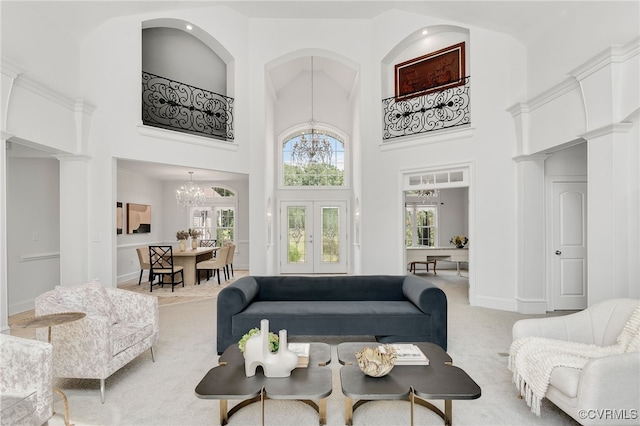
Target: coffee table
[438, 380]
[228, 381]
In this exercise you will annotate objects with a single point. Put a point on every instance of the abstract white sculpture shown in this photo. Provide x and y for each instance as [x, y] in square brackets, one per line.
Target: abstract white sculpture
[257, 353]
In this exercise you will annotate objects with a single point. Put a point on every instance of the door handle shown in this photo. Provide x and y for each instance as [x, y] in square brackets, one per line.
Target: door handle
[558, 252]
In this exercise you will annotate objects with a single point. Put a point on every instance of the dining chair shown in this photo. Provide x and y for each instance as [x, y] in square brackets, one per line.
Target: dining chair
[161, 264]
[215, 265]
[143, 259]
[229, 264]
[208, 243]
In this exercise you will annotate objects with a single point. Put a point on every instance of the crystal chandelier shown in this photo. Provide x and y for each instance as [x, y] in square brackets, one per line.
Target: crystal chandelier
[190, 194]
[311, 148]
[428, 194]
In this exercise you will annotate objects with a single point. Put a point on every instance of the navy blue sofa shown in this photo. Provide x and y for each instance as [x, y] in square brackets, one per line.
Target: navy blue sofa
[393, 308]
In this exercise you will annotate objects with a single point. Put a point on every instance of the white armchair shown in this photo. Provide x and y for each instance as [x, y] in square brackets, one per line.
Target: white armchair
[119, 326]
[26, 381]
[607, 389]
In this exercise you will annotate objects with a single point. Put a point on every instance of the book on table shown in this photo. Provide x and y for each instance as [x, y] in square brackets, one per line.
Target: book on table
[407, 354]
[302, 350]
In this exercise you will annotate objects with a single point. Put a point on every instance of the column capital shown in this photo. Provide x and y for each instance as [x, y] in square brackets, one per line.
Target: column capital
[530, 157]
[72, 157]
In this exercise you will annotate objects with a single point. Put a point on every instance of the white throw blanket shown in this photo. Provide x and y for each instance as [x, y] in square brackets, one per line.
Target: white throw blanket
[532, 359]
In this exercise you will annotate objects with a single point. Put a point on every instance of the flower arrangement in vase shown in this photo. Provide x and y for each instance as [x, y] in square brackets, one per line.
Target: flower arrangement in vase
[459, 241]
[194, 234]
[182, 237]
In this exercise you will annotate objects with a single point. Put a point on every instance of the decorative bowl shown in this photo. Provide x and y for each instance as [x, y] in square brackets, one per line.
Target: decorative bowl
[374, 363]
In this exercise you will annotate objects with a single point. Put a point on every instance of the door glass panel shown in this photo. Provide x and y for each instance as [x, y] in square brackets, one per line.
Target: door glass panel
[296, 235]
[330, 235]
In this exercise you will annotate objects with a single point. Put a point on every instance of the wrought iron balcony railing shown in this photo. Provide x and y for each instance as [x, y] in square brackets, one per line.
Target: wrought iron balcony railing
[434, 111]
[177, 106]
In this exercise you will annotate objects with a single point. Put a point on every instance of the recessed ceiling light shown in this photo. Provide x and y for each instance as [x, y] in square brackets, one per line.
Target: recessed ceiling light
[189, 27]
[424, 32]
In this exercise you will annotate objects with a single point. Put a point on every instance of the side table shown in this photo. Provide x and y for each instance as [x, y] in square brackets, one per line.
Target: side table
[51, 320]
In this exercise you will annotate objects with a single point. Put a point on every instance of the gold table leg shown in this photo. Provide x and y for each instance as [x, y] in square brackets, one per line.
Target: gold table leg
[322, 412]
[348, 411]
[224, 417]
[66, 405]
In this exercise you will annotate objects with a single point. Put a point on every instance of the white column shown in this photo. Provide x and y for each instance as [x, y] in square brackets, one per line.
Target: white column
[4, 302]
[608, 224]
[74, 234]
[531, 297]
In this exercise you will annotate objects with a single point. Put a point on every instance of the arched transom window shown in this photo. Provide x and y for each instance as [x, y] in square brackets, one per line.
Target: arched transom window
[313, 157]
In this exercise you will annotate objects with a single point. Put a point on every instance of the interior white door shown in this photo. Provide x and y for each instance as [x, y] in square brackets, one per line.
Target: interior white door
[313, 237]
[569, 265]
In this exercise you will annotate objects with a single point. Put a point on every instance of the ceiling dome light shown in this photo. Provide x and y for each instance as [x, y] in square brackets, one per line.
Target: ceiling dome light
[189, 27]
[424, 32]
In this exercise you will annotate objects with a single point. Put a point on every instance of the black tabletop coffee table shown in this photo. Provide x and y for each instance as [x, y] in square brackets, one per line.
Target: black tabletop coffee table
[438, 380]
[229, 381]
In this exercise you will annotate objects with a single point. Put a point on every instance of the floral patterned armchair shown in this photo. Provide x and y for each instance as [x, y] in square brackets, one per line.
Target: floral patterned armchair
[118, 327]
[26, 381]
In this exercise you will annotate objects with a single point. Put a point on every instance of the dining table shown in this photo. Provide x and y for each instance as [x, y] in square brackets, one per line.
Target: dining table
[188, 260]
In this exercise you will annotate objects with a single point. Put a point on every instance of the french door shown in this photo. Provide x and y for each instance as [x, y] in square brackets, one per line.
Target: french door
[313, 237]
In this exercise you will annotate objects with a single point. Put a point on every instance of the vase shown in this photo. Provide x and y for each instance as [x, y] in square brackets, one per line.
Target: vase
[183, 245]
[460, 246]
[194, 243]
[257, 353]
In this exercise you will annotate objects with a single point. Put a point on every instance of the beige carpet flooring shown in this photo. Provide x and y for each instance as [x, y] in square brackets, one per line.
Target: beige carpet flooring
[162, 393]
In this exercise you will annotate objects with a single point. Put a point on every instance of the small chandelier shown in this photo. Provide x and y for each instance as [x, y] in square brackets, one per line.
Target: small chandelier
[190, 194]
[315, 149]
[428, 194]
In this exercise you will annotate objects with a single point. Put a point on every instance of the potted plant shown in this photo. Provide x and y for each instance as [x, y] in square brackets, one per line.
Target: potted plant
[273, 340]
[459, 241]
[182, 237]
[194, 234]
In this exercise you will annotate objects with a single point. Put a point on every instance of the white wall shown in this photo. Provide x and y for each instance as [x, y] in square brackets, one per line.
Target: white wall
[33, 229]
[137, 189]
[166, 51]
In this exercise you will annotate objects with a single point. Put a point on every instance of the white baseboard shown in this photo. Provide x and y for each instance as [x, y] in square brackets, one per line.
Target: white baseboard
[531, 306]
[22, 306]
[496, 303]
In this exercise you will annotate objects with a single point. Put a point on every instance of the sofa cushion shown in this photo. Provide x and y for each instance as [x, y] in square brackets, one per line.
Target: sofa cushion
[91, 298]
[566, 380]
[335, 318]
[126, 335]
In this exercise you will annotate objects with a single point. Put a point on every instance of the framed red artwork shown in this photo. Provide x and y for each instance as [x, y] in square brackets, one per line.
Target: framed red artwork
[430, 73]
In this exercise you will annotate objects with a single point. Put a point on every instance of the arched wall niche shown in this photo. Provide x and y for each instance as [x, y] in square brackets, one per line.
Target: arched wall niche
[419, 44]
[221, 62]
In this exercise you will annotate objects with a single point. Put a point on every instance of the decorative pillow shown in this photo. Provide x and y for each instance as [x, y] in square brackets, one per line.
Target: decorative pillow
[91, 298]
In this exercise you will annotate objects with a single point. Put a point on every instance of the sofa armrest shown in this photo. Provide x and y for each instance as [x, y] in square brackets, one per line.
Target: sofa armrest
[431, 300]
[611, 382]
[83, 348]
[425, 295]
[132, 307]
[575, 327]
[236, 297]
[231, 300]
[26, 368]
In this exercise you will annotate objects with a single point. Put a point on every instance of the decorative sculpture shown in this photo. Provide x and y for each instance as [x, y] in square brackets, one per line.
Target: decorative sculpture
[274, 364]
